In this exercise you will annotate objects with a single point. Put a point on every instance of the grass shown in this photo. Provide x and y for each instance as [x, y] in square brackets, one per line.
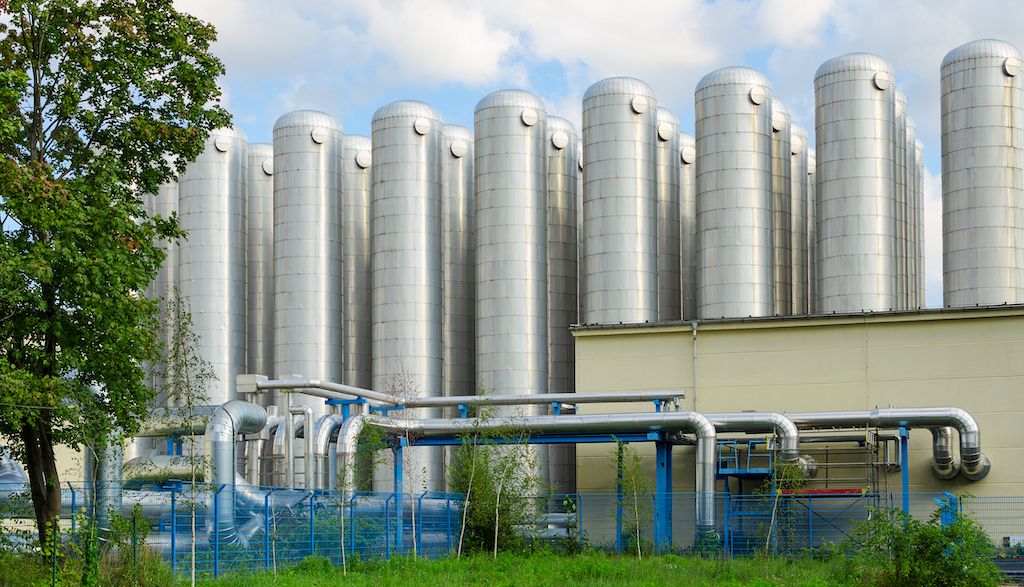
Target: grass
[592, 569]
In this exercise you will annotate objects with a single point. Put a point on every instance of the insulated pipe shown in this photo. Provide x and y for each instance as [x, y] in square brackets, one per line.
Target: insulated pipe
[604, 424]
[160, 468]
[176, 421]
[308, 432]
[783, 427]
[327, 427]
[945, 465]
[225, 424]
[332, 390]
[974, 465]
[103, 479]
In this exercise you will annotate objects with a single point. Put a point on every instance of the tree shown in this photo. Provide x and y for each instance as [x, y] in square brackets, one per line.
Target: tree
[100, 101]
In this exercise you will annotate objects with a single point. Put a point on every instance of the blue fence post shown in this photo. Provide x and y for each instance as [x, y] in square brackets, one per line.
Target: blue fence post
[387, 527]
[216, 531]
[352, 522]
[312, 522]
[417, 539]
[174, 530]
[448, 512]
[266, 529]
[810, 523]
[727, 523]
[663, 496]
[618, 499]
[905, 469]
[399, 522]
[73, 495]
[579, 518]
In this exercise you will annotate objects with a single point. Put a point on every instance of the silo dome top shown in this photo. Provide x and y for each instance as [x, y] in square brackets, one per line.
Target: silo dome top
[513, 98]
[225, 134]
[406, 109]
[854, 62]
[619, 85]
[312, 118]
[728, 76]
[980, 49]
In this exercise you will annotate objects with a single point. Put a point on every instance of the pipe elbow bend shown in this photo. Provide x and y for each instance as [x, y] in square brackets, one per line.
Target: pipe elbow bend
[976, 470]
[945, 471]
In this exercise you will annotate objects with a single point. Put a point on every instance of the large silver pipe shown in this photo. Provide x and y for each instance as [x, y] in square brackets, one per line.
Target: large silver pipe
[783, 427]
[945, 465]
[103, 480]
[225, 424]
[156, 467]
[332, 390]
[974, 465]
[176, 421]
[327, 428]
[667, 422]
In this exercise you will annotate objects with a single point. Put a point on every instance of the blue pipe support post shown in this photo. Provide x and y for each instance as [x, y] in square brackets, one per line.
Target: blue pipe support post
[463, 411]
[905, 468]
[556, 408]
[663, 495]
[397, 451]
[387, 527]
[346, 405]
[618, 498]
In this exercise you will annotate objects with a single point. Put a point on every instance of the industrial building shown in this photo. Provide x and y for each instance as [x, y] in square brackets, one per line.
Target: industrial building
[751, 293]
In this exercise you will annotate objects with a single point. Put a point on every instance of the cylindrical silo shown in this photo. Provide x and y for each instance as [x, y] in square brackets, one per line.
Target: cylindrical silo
[619, 271]
[910, 165]
[688, 226]
[511, 243]
[812, 230]
[798, 217]
[211, 261]
[919, 194]
[735, 240]
[458, 261]
[355, 230]
[563, 301]
[856, 201]
[982, 183]
[308, 277]
[782, 216]
[406, 244]
[899, 166]
[669, 210]
[260, 260]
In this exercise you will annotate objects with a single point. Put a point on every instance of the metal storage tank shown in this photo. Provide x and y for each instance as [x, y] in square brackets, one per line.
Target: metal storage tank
[355, 229]
[782, 217]
[619, 259]
[405, 227]
[812, 231]
[458, 262]
[669, 211]
[798, 217]
[308, 277]
[910, 163]
[211, 262]
[900, 183]
[919, 193]
[260, 260]
[982, 183]
[735, 240]
[856, 200]
[688, 226]
[511, 244]
[563, 298]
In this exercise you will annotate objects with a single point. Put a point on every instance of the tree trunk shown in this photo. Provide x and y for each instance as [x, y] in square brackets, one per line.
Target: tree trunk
[41, 468]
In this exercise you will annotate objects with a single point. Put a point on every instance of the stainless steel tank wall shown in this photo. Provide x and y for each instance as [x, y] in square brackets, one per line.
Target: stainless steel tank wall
[735, 241]
[856, 203]
[407, 277]
[260, 261]
[619, 259]
[511, 243]
[355, 228]
[910, 162]
[308, 245]
[688, 226]
[919, 193]
[798, 218]
[899, 165]
[812, 230]
[211, 261]
[982, 183]
[458, 261]
[782, 213]
[669, 210]
[563, 298]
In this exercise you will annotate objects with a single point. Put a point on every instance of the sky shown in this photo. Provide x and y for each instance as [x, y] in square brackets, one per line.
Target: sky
[349, 57]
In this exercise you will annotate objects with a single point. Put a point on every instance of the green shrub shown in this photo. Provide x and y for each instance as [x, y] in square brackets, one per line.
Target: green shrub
[893, 549]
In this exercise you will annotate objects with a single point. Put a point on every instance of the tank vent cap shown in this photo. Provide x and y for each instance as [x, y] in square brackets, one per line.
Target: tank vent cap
[665, 131]
[421, 126]
[559, 139]
[268, 166]
[319, 135]
[363, 159]
[221, 143]
[458, 148]
[529, 116]
[688, 154]
[1011, 66]
[639, 104]
[758, 95]
[882, 80]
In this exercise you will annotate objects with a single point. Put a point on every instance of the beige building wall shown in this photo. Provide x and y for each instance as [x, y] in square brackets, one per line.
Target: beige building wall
[971, 359]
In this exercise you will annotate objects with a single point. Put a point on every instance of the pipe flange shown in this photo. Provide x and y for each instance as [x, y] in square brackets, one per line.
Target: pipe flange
[978, 471]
